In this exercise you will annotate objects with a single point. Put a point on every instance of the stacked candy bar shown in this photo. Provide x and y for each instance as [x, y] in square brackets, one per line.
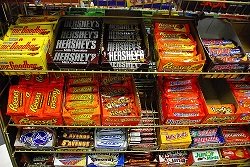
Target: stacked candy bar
[174, 138]
[98, 160]
[124, 47]
[140, 160]
[110, 139]
[37, 160]
[82, 104]
[203, 137]
[236, 135]
[173, 158]
[30, 102]
[75, 138]
[77, 44]
[234, 154]
[35, 138]
[223, 50]
[241, 91]
[120, 102]
[141, 138]
[203, 157]
[181, 101]
[175, 44]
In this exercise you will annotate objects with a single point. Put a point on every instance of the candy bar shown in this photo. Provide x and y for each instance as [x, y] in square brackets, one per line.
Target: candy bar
[235, 52]
[123, 27]
[82, 97]
[217, 43]
[76, 45]
[72, 105]
[81, 24]
[209, 132]
[82, 81]
[73, 143]
[204, 141]
[123, 35]
[79, 34]
[114, 159]
[114, 91]
[39, 20]
[124, 46]
[183, 28]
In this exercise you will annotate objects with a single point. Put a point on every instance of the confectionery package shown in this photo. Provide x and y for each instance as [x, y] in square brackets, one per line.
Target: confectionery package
[70, 160]
[203, 157]
[178, 46]
[120, 101]
[77, 44]
[126, 45]
[111, 139]
[241, 90]
[39, 104]
[82, 101]
[221, 105]
[180, 101]
[174, 138]
[37, 20]
[173, 158]
[32, 138]
[112, 159]
[234, 155]
[223, 47]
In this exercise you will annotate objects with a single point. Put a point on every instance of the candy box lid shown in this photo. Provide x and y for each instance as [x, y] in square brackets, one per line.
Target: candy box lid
[205, 156]
[32, 138]
[172, 136]
[30, 30]
[34, 20]
[105, 160]
[70, 160]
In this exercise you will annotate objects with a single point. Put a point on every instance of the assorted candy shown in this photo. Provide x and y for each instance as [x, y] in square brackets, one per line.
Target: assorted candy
[176, 48]
[77, 45]
[35, 138]
[82, 103]
[241, 91]
[120, 101]
[173, 158]
[140, 160]
[204, 157]
[125, 47]
[30, 102]
[181, 101]
[113, 139]
[234, 154]
[206, 137]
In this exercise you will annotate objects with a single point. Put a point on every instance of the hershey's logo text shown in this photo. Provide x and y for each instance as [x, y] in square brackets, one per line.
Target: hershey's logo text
[123, 35]
[81, 24]
[119, 46]
[132, 55]
[77, 44]
[73, 58]
[66, 34]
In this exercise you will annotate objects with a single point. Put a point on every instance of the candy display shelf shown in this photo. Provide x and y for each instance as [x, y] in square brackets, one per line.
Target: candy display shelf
[220, 9]
[124, 151]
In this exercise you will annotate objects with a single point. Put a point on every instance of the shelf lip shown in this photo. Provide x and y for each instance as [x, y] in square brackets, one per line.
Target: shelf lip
[125, 151]
[127, 72]
[220, 1]
[139, 126]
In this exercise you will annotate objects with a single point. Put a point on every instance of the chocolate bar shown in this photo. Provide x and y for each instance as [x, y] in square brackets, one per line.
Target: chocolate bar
[123, 35]
[126, 55]
[81, 24]
[76, 45]
[123, 27]
[124, 46]
[73, 57]
[79, 34]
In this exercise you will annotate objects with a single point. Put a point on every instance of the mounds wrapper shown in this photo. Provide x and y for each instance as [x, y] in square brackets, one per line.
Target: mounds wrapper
[180, 101]
[174, 138]
[77, 44]
[223, 48]
[221, 104]
[173, 158]
[236, 135]
[178, 46]
[234, 155]
[27, 53]
[120, 101]
[241, 91]
[36, 105]
[32, 138]
[82, 101]
[204, 157]
[126, 45]
[70, 160]
[112, 159]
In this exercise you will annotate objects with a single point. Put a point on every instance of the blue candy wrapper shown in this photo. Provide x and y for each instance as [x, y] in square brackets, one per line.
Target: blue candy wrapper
[105, 160]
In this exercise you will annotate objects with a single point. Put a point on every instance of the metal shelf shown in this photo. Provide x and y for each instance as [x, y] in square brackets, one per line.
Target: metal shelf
[119, 151]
